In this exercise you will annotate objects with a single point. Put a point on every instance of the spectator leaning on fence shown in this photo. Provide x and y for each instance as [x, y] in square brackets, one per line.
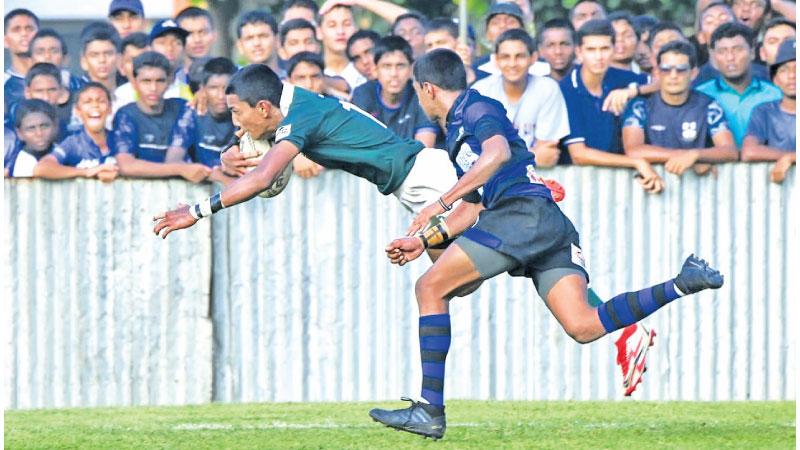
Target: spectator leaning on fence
[594, 130]
[142, 130]
[19, 27]
[127, 17]
[87, 152]
[359, 52]
[772, 132]
[556, 40]
[737, 90]
[35, 125]
[677, 126]
[534, 104]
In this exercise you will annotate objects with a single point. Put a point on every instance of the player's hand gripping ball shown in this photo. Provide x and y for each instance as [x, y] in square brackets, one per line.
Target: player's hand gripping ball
[248, 145]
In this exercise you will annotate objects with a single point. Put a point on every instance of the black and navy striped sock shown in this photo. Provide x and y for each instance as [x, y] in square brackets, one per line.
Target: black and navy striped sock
[434, 342]
[631, 307]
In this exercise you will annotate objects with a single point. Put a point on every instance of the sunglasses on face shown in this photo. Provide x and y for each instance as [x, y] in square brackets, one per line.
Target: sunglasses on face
[680, 68]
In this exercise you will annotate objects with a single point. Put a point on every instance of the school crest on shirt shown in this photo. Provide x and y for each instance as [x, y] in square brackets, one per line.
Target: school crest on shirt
[282, 132]
[466, 157]
[149, 138]
[689, 131]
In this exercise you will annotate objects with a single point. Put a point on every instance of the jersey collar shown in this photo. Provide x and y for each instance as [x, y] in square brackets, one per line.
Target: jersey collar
[287, 95]
[458, 107]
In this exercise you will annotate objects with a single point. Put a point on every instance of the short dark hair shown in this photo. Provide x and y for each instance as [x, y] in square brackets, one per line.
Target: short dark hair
[304, 57]
[138, 40]
[516, 34]
[572, 10]
[256, 16]
[254, 83]
[34, 105]
[49, 32]
[714, 4]
[554, 24]
[662, 26]
[218, 66]
[357, 36]
[442, 68]
[596, 27]
[90, 85]
[19, 12]
[45, 69]
[778, 21]
[681, 47]
[419, 17]
[442, 23]
[389, 44]
[99, 31]
[626, 17]
[295, 24]
[151, 59]
[644, 23]
[307, 4]
[732, 29]
[193, 12]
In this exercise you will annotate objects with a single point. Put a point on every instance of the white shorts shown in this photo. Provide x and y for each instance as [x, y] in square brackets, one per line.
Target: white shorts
[432, 175]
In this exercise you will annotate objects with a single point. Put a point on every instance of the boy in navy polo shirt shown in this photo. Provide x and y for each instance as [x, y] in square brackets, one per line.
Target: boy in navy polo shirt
[35, 126]
[677, 126]
[203, 137]
[592, 90]
[142, 130]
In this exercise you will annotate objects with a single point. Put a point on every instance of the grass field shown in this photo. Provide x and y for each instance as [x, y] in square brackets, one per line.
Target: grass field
[583, 425]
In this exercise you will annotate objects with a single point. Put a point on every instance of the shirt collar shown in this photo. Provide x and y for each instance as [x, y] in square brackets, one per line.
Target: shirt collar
[287, 95]
[458, 107]
[723, 86]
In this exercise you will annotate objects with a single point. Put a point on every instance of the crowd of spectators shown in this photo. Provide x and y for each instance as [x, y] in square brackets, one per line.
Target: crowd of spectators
[601, 88]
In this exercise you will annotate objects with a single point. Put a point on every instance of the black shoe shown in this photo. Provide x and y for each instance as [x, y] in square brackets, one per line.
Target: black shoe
[696, 276]
[419, 418]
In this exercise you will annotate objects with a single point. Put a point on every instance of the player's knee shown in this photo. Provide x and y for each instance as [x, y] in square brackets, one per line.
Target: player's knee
[429, 289]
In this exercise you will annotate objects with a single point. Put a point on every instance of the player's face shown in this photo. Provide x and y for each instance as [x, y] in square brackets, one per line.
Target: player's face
[201, 36]
[257, 43]
[257, 120]
[337, 26]
[151, 83]
[585, 12]
[394, 71]
[171, 46]
[557, 48]
[440, 39]
[750, 12]
[18, 34]
[595, 52]
[361, 53]
[308, 76]
[675, 73]
[299, 40]
[625, 42]
[126, 60]
[732, 57]
[127, 22]
[514, 60]
[99, 60]
[37, 131]
[215, 94]
[44, 87]
[92, 108]
[413, 32]
[772, 40]
[47, 49]
[786, 79]
[500, 23]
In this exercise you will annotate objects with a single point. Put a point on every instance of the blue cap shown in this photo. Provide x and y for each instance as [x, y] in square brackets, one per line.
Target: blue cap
[167, 26]
[786, 53]
[126, 5]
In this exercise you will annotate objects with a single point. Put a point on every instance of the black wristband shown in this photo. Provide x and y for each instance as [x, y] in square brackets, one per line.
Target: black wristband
[445, 205]
[216, 202]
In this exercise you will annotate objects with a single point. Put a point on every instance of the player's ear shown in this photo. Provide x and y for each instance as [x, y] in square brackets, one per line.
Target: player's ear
[263, 107]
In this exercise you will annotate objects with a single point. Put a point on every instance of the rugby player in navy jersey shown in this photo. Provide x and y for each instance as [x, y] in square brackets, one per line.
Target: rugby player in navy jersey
[142, 130]
[521, 231]
[203, 137]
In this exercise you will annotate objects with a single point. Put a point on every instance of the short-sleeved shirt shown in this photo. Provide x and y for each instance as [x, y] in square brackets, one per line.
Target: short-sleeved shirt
[738, 107]
[13, 89]
[709, 72]
[588, 123]
[24, 162]
[473, 120]
[487, 65]
[773, 126]
[79, 150]
[202, 137]
[407, 119]
[540, 114]
[339, 135]
[687, 126]
[145, 136]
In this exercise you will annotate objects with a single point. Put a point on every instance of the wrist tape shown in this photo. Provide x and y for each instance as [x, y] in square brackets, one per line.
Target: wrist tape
[207, 207]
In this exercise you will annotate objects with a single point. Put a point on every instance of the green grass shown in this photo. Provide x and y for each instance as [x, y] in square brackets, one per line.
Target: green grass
[631, 425]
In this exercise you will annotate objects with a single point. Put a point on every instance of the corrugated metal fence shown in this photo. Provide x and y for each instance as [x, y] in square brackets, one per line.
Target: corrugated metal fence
[304, 306]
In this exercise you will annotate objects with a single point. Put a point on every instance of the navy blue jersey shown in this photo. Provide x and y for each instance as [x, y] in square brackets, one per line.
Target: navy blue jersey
[144, 136]
[79, 150]
[688, 126]
[13, 89]
[773, 126]
[202, 137]
[406, 120]
[11, 143]
[472, 120]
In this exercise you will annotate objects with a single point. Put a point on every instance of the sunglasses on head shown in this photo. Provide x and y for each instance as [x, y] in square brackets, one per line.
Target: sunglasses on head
[681, 68]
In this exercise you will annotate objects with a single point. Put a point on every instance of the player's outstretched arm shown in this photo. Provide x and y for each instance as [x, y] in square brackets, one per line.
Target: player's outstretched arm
[238, 191]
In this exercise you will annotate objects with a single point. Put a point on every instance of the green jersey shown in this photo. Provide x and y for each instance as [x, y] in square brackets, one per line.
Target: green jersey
[338, 135]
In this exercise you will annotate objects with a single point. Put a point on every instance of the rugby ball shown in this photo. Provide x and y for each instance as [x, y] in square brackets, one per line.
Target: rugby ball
[261, 146]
